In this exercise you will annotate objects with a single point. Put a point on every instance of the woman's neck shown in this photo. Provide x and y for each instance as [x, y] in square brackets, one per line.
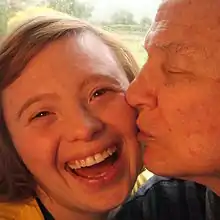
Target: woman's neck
[60, 212]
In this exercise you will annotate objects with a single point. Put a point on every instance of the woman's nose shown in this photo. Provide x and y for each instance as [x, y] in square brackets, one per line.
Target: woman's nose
[83, 126]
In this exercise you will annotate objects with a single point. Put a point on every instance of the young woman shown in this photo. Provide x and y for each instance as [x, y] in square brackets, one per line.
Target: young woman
[68, 138]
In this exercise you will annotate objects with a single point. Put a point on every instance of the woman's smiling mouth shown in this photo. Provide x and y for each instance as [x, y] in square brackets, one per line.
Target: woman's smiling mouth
[97, 168]
[92, 160]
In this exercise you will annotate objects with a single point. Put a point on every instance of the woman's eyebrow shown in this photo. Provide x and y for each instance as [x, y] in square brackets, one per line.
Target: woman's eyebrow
[96, 79]
[35, 99]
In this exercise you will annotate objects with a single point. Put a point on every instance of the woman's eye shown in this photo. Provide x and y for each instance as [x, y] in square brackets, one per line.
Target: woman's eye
[99, 92]
[41, 114]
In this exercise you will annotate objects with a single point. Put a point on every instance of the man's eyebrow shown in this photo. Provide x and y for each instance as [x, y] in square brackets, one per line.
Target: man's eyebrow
[178, 48]
[33, 100]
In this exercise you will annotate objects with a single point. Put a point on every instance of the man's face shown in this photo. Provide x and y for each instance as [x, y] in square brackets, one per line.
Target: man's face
[178, 91]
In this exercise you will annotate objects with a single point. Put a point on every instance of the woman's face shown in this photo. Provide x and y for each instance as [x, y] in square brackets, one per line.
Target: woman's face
[70, 124]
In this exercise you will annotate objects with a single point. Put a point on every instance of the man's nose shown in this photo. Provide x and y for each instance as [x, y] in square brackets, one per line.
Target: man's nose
[141, 93]
[83, 126]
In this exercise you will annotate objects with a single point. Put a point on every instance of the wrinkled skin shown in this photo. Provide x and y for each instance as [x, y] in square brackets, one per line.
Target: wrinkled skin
[178, 90]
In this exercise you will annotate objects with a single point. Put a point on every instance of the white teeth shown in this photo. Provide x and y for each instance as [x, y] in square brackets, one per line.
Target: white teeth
[98, 158]
[111, 150]
[77, 164]
[83, 163]
[92, 160]
[105, 154]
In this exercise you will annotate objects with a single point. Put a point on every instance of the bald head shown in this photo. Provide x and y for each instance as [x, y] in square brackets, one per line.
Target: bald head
[191, 12]
[190, 29]
[194, 25]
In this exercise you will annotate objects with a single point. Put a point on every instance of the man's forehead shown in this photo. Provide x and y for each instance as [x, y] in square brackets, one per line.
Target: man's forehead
[191, 34]
[174, 41]
[192, 22]
[191, 12]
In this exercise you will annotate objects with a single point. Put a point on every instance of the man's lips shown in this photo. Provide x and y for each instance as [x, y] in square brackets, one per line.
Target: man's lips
[145, 136]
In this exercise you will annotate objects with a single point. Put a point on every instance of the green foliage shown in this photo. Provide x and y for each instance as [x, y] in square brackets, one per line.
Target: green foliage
[145, 21]
[72, 7]
[131, 36]
[136, 28]
[122, 22]
[22, 15]
[134, 43]
[122, 17]
[18, 5]
[19, 12]
[9, 9]
[3, 17]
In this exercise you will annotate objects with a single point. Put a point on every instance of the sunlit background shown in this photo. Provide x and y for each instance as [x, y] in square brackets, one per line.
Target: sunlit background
[128, 19]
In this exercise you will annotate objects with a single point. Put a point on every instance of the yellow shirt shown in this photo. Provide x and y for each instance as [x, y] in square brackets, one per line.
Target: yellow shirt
[31, 210]
[28, 211]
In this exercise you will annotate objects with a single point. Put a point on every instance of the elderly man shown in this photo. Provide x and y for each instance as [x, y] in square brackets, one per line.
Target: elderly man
[177, 95]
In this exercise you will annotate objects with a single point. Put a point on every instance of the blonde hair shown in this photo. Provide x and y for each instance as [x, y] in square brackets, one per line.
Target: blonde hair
[16, 50]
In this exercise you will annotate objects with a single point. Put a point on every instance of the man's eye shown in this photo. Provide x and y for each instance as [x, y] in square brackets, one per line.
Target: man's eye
[175, 71]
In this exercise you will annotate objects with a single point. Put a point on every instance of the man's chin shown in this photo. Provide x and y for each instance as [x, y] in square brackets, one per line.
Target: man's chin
[163, 171]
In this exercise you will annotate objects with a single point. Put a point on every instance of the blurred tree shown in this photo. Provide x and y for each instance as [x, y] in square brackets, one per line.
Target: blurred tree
[18, 5]
[123, 17]
[72, 7]
[3, 17]
[145, 21]
[18, 10]
[22, 15]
